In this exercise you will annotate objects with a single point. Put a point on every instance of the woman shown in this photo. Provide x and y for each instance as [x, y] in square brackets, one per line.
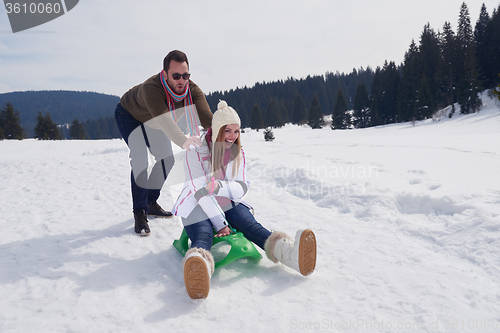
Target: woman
[216, 182]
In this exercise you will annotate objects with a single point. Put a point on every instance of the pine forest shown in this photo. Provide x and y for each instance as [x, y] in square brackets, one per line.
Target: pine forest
[443, 68]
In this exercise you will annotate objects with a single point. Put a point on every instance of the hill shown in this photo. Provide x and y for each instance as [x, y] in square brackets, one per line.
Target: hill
[406, 215]
[63, 106]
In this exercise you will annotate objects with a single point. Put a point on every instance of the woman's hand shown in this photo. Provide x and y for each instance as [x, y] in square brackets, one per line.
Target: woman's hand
[209, 186]
[223, 232]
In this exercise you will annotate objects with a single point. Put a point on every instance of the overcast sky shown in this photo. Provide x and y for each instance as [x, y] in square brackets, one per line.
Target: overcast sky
[108, 46]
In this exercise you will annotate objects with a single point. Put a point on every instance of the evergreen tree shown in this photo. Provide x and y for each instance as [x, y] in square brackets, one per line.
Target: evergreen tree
[93, 129]
[325, 87]
[376, 98]
[256, 121]
[54, 133]
[274, 118]
[268, 134]
[102, 128]
[340, 117]
[115, 132]
[1, 134]
[283, 110]
[392, 82]
[10, 122]
[408, 92]
[242, 112]
[315, 114]
[46, 129]
[425, 102]
[361, 107]
[76, 130]
[450, 62]
[299, 113]
[100, 132]
[468, 85]
[480, 45]
[99, 135]
[491, 61]
[385, 90]
[90, 127]
[42, 128]
[430, 63]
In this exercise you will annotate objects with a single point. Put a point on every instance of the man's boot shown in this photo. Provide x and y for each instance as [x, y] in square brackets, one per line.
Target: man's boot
[141, 224]
[155, 210]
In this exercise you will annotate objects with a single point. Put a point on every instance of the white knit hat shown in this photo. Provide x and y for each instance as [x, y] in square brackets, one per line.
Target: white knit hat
[225, 115]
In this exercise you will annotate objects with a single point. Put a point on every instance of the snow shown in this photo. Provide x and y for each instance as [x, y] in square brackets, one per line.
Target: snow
[407, 220]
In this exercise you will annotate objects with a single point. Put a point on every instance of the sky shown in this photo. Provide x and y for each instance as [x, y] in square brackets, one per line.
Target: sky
[110, 46]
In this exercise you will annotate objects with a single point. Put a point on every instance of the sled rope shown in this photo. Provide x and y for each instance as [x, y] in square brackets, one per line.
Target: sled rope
[216, 204]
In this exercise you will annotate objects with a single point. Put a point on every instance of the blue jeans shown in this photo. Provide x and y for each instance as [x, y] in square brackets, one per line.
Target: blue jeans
[239, 217]
[139, 138]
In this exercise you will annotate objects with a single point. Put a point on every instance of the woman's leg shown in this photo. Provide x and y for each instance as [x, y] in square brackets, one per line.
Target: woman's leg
[198, 264]
[240, 218]
[199, 229]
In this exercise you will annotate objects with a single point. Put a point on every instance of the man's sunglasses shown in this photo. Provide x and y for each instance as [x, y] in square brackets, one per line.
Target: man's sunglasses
[177, 76]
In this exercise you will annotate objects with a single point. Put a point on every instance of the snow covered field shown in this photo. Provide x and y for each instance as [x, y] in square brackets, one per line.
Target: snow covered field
[407, 220]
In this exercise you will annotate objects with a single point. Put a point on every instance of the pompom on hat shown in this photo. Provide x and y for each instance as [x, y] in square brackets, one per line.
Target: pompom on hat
[225, 115]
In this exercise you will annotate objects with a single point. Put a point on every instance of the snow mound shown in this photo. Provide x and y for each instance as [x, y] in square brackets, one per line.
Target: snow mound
[425, 204]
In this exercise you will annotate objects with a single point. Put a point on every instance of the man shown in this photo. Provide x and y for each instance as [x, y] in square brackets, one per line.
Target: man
[148, 117]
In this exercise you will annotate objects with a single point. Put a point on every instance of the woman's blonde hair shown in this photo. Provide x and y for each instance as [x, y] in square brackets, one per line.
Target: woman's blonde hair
[218, 150]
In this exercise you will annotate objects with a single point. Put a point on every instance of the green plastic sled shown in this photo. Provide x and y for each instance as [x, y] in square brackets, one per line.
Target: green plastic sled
[240, 247]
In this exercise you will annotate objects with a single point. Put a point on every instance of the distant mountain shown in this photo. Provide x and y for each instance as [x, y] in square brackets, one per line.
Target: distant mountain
[63, 106]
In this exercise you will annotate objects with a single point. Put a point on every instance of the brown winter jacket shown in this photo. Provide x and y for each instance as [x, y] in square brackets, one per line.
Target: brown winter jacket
[149, 100]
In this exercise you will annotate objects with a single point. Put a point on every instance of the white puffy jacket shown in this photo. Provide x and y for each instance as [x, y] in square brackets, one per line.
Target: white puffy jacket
[198, 171]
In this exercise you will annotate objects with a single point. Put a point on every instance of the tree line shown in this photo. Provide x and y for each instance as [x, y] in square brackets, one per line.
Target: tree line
[46, 129]
[443, 68]
[63, 106]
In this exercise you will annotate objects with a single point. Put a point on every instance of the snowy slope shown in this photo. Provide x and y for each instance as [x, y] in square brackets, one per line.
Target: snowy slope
[407, 220]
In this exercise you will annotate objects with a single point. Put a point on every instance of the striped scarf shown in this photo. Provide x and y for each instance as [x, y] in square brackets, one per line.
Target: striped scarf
[172, 97]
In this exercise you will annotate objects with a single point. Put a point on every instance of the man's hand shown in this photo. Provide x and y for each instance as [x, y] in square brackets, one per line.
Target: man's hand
[192, 142]
[223, 232]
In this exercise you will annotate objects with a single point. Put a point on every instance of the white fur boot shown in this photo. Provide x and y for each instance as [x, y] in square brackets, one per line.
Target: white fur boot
[198, 267]
[299, 254]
